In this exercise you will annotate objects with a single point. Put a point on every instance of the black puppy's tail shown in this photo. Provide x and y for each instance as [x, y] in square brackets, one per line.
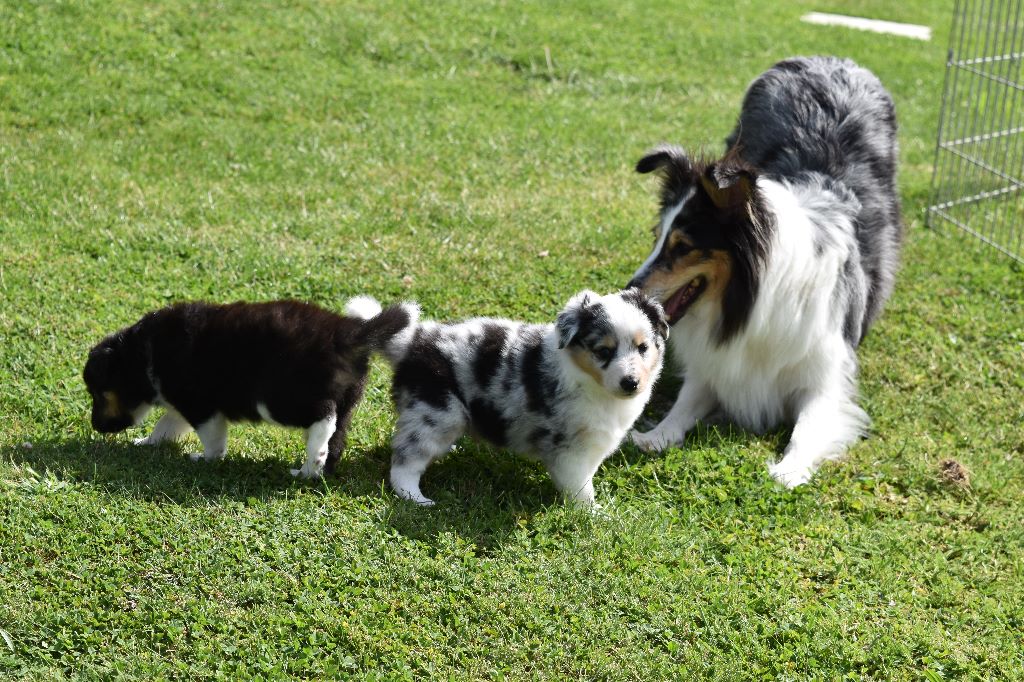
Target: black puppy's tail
[381, 327]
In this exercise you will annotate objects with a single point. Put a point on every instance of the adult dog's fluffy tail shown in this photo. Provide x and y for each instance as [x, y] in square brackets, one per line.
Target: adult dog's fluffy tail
[384, 330]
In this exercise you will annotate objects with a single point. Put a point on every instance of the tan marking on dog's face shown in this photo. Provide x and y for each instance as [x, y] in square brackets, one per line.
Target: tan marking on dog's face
[112, 405]
[651, 361]
[719, 268]
[714, 265]
[648, 360]
[584, 359]
[679, 238]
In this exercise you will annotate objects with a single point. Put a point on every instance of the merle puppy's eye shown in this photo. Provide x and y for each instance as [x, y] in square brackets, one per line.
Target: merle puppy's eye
[642, 348]
[604, 353]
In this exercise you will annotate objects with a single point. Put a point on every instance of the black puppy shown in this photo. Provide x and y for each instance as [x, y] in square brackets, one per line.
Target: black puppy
[285, 362]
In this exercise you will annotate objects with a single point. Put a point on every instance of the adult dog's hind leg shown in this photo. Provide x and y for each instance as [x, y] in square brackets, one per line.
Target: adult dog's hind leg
[171, 426]
[695, 401]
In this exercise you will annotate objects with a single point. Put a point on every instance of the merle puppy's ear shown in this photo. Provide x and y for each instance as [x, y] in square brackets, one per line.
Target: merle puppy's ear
[651, 309]
[662, 328]
[573, 316]
[664, 156]
[730, 183]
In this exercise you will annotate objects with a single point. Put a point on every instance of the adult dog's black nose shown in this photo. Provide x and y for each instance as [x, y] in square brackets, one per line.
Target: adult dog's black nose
[634, 283]
[629, 384]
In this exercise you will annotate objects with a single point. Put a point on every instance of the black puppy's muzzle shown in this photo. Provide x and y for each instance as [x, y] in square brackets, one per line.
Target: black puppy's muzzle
[111, 424]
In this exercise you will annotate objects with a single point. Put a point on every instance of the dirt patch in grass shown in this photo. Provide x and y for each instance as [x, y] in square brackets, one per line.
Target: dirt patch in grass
[953, 473]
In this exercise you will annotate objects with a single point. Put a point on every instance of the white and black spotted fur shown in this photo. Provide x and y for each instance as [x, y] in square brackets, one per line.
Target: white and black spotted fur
[563, 393]
[773, 262]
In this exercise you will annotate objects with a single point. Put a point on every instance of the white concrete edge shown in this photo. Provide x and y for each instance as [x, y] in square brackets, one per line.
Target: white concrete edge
[878, 26]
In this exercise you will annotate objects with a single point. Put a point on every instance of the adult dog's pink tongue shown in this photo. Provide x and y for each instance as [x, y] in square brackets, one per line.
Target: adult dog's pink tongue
[675, 306]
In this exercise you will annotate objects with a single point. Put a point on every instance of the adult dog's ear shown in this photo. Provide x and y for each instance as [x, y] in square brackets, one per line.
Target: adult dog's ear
[664, 156]
[676, 171]
[573, 316]
[730, 183]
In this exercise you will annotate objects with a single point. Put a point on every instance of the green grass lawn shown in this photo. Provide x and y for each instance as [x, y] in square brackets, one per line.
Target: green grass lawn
[475, 156]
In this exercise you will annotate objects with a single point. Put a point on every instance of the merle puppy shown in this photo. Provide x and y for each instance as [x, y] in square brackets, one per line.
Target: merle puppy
[563, 393]
[285, 362]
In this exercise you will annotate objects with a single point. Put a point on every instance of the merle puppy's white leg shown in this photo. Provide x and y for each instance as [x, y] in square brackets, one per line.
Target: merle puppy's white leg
[573, 475]
[419, 439]
[695, 401]
[825, 426]
[171, 426]
[406, 470]
[213, 434]
[573, 482]
[317, 437]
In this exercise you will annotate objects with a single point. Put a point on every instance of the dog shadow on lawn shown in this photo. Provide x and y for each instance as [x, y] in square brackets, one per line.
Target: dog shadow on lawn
[481, 495]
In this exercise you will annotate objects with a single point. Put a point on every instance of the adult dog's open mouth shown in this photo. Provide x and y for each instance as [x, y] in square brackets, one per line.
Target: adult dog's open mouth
[677, 304]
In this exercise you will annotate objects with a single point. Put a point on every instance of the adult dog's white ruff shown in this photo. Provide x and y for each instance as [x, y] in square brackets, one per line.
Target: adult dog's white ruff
[791, 361]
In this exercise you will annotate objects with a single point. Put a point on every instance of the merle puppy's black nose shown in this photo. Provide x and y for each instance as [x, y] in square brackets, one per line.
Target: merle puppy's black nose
[629, 384]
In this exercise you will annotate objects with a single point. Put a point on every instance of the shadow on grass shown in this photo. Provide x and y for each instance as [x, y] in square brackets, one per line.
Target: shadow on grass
[481, 495]
[164, 472]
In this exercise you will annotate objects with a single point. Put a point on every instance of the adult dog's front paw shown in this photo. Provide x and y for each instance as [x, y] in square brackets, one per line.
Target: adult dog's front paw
[415, 498]
[205, 456]
[652, 441]
[789, 475]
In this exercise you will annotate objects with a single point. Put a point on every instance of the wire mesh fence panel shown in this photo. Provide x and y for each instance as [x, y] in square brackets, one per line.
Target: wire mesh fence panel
[979, 157]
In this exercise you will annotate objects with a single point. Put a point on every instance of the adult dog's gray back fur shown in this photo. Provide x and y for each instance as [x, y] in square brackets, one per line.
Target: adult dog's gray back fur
[828, 117]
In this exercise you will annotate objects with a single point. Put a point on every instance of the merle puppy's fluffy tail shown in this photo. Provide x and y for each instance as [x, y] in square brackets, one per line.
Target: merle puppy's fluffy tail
[382, 329]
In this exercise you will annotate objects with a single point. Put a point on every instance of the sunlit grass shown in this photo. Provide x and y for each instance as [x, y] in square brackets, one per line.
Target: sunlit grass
[475, 157]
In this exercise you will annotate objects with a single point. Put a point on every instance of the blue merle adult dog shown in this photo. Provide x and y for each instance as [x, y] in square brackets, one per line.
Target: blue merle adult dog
[773, 261]
[564, 393]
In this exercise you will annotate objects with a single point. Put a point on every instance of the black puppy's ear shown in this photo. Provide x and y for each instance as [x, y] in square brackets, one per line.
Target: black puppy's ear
[663, 156]
[573, 316]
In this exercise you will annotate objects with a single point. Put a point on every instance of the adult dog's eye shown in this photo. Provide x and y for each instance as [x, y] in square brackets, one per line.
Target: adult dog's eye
[678, 243]
[642, 348]
[604, 353]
